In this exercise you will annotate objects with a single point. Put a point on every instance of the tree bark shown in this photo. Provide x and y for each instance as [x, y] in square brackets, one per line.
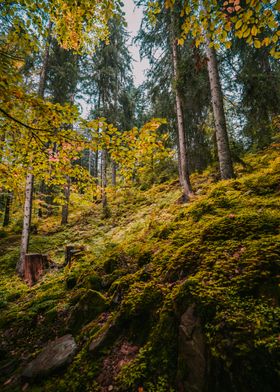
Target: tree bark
[114, 173]
[104, 181]
[6, 220]
[65, 207]
[224, 155]
[69, 251]
[89, 162]
[95, 173]
[182, 155]
[26, 222]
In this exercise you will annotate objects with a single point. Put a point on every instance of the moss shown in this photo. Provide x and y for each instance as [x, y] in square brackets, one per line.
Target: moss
[92, 281]
[241, 226]
[3, 234]
[145, 265]
[88, 307]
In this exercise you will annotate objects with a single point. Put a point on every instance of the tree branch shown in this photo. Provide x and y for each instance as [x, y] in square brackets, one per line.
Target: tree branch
[21, 123]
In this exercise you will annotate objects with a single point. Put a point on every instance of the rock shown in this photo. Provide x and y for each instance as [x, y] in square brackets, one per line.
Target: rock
[55, 355]
[191, 353]
[98, 342]
[90, 305]
[103, 337]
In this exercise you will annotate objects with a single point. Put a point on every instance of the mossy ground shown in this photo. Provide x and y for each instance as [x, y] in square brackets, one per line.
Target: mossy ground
[145, 264]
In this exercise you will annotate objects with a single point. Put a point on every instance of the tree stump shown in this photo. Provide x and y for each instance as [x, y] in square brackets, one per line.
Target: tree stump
[70, 251]
[34, 266]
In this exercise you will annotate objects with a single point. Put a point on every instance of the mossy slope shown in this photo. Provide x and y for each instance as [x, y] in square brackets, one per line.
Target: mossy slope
[141, 269]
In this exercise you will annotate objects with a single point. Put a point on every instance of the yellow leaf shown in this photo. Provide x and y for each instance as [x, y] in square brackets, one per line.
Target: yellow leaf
[254, 30]
[238, 24]
[246, 33]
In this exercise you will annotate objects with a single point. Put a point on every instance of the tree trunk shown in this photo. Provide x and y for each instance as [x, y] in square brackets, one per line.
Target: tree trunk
[182, 156]
[43, 73]
[104, 181]
[225, 161]
[41, 195]
[26, 222]
[30, 177]
[65, 207]
[89, 162]
[114, 173]
[95, 173]
[6, 220]
[69, 251]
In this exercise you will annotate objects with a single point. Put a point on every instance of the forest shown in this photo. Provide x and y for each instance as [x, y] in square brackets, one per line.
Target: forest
[139, 221]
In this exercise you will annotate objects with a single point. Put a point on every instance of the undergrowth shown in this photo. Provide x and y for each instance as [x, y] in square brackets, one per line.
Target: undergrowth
[142, 267]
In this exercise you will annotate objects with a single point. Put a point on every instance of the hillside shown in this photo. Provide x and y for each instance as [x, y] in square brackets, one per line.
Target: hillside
[162, 297]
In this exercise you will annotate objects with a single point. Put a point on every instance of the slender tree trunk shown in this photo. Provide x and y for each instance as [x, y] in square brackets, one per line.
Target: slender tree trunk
[30, 178]
[26, 221]
[114, 173]
[65, 207]
[104, 180]
[41, 91]
[96, 155]
[8, 198]
[6, 220]
[2, 141]
[43, 73]
[179, 167]
[183, 162]
[224, 155]
[89, 162]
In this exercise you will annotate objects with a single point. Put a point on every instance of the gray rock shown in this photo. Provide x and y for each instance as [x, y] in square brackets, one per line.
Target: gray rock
[192, 353]
[55, 355]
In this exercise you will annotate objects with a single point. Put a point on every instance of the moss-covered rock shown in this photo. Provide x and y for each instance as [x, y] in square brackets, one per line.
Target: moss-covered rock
[88, 307]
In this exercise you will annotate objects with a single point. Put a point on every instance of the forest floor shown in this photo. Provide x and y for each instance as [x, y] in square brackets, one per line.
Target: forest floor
[139, 271]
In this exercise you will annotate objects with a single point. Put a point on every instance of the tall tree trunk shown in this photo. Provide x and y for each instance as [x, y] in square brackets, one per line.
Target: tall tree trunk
[89, 162]
[65, 207]
[8, 198]
[95, 173]
[104, 181]
[179, 167]
[224, 155]
[30, 178]
[26, 221]
[114, 173]
[41, 92]
[182, 156]
[43, 73]
[6, 220]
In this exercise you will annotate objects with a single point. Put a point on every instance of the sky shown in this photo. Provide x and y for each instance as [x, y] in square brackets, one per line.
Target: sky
[133, 17]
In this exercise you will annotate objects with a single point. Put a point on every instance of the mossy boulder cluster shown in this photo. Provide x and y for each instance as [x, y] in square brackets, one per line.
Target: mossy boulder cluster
[165, 297]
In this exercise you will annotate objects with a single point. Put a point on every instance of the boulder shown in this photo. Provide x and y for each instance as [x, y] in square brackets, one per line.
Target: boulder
[54, 356]
[191, 353]
[90, 305]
